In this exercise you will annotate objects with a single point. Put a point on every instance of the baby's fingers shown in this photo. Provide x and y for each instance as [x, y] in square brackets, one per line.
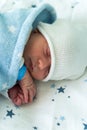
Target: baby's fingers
[17, 101]
[25, 92]
[32, 93]
[30, 96]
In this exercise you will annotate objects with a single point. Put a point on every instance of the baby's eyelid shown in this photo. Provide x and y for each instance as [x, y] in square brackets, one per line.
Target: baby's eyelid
[47, 51]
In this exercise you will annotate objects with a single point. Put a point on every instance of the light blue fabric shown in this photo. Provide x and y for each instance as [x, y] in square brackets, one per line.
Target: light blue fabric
[15, 28]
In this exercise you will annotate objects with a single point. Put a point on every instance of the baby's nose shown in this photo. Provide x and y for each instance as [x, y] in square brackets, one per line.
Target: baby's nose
[42, 64]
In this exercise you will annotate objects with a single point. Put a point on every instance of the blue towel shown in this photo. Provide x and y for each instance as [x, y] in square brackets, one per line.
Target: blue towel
[15, 28]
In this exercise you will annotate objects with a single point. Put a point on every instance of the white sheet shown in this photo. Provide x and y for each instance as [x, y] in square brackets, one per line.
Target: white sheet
[59, 105]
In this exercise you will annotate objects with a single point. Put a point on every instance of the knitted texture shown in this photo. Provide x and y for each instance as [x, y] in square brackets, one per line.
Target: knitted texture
[15, 28]
[68, 46]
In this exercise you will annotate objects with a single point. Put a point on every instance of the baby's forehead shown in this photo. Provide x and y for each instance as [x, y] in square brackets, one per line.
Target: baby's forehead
[36, 35]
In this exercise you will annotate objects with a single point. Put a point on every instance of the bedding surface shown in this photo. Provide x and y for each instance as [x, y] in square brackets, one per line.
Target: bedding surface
[59, 105]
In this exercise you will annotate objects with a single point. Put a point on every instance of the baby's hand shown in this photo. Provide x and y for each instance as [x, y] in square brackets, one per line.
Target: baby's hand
[28, 87]
[16, 95]
[23, 92]
[29, 92]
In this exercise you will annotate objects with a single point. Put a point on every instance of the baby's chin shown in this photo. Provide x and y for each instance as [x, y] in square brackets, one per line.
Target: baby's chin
[37, 77]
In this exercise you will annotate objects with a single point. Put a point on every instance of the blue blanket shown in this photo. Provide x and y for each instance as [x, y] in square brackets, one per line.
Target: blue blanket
[15, 28]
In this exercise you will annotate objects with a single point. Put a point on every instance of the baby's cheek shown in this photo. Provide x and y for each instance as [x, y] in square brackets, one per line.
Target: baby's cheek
[37, 75]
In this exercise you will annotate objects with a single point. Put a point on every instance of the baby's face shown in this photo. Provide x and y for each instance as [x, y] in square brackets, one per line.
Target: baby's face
[37, 56]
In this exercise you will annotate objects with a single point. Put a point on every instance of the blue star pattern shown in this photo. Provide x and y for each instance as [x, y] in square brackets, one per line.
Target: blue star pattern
[35, 128]
[33, 6]
[60, 90]
[58, 124]
[59, 120]
[85, 126]
[10, 113]
[53, 85]
[62, 118]
[68, 96]
[53, 100]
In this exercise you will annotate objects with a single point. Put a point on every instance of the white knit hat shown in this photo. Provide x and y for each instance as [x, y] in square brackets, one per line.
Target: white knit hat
[64, 40]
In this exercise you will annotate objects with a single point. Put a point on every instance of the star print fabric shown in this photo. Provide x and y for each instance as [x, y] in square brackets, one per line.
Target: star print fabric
[58, 105]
